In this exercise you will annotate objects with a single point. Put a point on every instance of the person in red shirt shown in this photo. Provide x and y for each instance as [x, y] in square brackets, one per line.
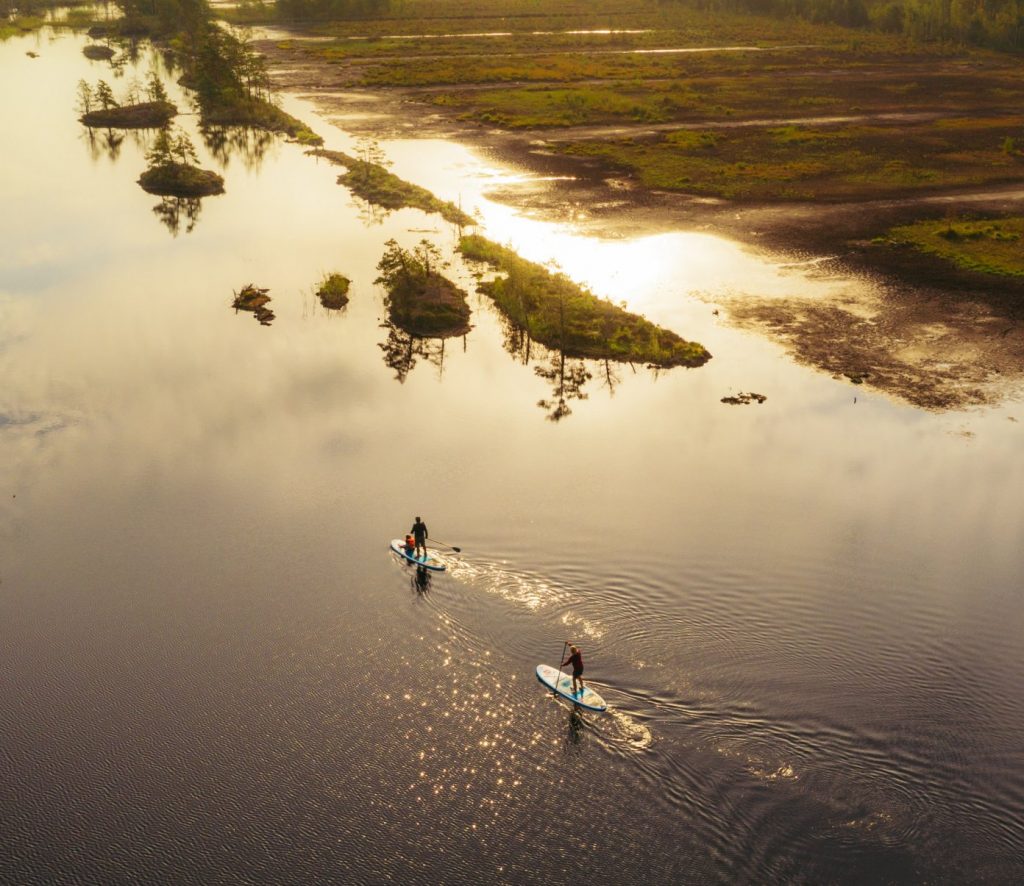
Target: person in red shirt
[576, 660]
[410, 545]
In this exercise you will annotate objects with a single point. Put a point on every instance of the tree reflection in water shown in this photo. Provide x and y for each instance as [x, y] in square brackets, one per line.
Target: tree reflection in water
[567, 378]
[566, 375]
[609, 377]
[172, 211]
[402, 349]
[244, 142]
[103, 143]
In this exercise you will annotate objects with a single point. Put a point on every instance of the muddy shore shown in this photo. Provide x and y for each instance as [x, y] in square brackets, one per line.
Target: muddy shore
[920, 330]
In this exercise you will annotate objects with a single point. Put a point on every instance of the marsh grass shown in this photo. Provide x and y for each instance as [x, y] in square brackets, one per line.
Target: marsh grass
[989, 246]
[815, 163]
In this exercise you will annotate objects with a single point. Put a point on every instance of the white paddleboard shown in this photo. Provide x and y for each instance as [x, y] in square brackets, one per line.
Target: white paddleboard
[427, 561]
[586, 699]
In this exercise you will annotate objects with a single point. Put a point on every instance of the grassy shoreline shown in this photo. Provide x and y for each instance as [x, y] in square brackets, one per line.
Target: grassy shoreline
[987, 246]
[373, 183]
[564, 316]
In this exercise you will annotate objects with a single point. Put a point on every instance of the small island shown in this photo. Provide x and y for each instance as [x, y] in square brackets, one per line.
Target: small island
[564, 316]
[97, 52]
[333, 291]
[172, 171]
[254, 299]
[99, 107]
[422, 301]
[145, 115]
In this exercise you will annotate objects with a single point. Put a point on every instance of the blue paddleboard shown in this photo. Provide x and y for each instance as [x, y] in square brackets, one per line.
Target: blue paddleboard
[586, 699]
[427, 561]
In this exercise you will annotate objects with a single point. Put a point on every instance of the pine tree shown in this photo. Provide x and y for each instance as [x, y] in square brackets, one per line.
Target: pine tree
[154, 88]
[105, 95]
[161, 153]
[184, 150]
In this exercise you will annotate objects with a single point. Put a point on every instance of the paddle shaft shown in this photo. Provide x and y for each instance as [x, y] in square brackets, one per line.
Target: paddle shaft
[457, 550]
[561, 658]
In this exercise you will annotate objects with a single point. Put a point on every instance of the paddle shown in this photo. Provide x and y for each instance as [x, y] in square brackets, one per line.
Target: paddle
[561, 658]
[457, 550]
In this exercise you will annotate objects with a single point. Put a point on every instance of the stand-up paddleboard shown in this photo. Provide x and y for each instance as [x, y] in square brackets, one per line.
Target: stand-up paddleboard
[586, 699]
[427, 561]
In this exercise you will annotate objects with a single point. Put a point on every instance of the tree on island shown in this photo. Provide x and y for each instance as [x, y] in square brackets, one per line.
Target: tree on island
[171, 148]
[105, 96]
[134, 94]
[172, 169]
[85, 97]
[184, 150]
[161, 153]
[155, 88]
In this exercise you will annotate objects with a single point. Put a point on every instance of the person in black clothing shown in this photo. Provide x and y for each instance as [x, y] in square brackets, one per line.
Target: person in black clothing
[420, 534]
[576, 660]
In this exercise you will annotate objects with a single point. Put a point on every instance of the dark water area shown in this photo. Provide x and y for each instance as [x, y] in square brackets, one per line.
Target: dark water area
[805, 615]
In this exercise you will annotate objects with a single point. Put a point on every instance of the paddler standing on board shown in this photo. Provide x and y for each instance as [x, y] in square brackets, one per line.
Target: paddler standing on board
[576, 660]
[420, 534]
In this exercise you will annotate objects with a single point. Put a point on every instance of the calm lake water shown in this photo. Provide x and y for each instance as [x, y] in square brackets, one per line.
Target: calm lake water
[806, 615]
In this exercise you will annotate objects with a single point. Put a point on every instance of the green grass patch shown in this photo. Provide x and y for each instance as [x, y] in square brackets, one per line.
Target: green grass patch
[333, 291]
[812, 162]
[373, 183]
[990, 246]
[564, 316]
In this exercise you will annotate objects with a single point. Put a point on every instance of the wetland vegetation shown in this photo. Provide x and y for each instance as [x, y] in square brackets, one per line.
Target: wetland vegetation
[420, 299]
[228, 76]
[813, 102]
[368, 178]
[986, 245]
[562, 315]
[172, 169]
